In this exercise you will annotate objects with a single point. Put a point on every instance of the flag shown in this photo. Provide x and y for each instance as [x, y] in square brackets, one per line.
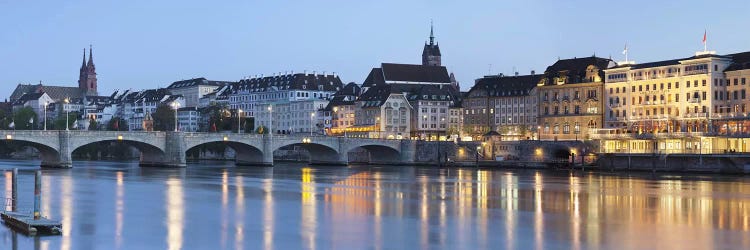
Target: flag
[12, 124]
[117, 125]
[704, 37]
[213, 127]
[625, 51]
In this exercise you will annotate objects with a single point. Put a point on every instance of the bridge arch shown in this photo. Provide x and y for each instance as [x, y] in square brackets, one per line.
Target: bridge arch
[151, 155]
[48, 154]
[321, 151]
[376, 154]
[245, 154]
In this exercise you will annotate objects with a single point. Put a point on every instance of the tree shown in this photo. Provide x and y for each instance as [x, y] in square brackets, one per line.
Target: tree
[163, 118]
[219, 118]
[117, 124]
[25, 118]
[59, 123]
[93, 124]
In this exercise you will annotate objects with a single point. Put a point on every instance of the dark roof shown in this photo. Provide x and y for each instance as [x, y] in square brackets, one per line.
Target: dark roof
[197, 82]
[345, 96]
[298, 81]
[415, 73]
[378, 94]
[499, 85]
[27, 97]
[374, 78]
[431, 50]
[575, 69]
[740, 61]
[54, 92]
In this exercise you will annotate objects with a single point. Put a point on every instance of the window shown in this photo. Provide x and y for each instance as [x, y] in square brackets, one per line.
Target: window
[566, 128]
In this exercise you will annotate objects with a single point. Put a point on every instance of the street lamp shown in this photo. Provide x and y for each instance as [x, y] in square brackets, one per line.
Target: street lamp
[239, 117]
[476, 159]
[270, 119]
[45, 114]
[312, 116]
[67, 113]
[175, 106]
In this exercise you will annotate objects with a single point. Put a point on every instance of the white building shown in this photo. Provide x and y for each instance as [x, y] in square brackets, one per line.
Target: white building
[292, 98]
[133, 106]
[194, 89]
[188, 119]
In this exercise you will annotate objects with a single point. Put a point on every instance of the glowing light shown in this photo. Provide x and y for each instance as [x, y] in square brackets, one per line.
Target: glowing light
[119, 137]
[8, 137]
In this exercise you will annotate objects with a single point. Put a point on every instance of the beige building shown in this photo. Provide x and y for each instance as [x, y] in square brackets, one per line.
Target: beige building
[681, 95]
[570, 98]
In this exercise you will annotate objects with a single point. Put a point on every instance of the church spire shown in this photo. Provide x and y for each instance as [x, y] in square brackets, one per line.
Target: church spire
[91, 55]
[432, 34]
[83, 64]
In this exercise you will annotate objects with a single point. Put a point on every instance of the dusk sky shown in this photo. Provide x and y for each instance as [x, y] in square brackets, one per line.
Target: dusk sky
[149, 44]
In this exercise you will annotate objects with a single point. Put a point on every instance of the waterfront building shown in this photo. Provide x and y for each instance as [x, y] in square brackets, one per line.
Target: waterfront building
[429, 95]
[570, 98]
[293, 100]
[512, 105]
[36, 101]
[218, 97]
[194, 89]
[341, 107]
[689, 105]
[133, 106]
[188, 119]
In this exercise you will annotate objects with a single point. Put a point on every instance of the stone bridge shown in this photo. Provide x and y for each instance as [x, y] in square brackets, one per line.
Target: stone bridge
[169, 148]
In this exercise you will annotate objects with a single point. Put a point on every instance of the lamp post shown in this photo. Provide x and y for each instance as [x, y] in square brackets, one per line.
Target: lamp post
[476, 159]
[270, 119]
[67, 113]
[175, 105]
[45, 115]
[312, 116]
[239, 123]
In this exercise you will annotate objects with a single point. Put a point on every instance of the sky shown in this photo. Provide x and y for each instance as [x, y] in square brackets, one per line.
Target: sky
[148, 44]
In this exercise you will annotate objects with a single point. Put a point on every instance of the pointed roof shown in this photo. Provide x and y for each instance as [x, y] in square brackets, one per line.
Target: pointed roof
[91, 56]
[83, 64]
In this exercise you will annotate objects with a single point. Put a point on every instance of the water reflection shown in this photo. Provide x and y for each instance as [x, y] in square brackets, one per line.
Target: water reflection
[290, 207]
[175, 209]
[119, 208]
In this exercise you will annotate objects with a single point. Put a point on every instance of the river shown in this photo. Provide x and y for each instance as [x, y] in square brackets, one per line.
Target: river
[214, 205]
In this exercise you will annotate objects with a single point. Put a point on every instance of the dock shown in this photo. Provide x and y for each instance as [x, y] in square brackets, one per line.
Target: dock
[30, 224]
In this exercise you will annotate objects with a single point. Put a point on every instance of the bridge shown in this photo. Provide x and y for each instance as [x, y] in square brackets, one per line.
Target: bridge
[168, 149]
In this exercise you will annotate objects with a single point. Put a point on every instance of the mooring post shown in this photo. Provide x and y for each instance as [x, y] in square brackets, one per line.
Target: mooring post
[37, 193]
[14, 190]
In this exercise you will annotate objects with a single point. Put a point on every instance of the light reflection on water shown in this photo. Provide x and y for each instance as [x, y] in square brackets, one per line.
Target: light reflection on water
[293, 206]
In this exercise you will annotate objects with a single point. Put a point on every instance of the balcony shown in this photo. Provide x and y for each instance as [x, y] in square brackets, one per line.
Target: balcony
[694, 100]
[696, 72]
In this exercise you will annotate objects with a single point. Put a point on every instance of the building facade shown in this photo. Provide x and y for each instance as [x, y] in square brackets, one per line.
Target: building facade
[194, 89]
[681, 95]
[570, 98]
[286, 103]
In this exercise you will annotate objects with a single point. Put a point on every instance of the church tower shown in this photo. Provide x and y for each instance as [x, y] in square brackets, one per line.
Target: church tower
[431, 52]
[87, 77]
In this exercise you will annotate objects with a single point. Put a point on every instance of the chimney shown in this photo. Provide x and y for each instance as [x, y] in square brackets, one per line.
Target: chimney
[516, 73]
[533, 72]
[314, 72]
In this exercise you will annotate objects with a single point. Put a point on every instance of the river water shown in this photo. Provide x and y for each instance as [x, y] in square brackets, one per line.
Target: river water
[214, 205]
